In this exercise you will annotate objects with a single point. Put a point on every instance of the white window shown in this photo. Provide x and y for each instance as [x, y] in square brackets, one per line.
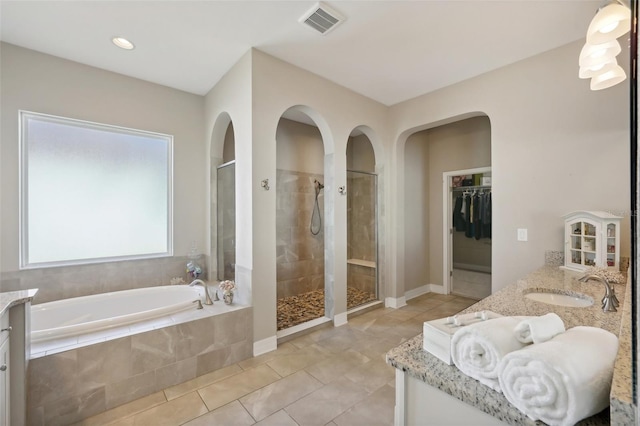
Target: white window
[92, 192]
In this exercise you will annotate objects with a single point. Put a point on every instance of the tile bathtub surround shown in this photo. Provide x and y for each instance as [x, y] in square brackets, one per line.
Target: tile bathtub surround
[411, 358]
[65, 282]
[334, 376]
[69, 386]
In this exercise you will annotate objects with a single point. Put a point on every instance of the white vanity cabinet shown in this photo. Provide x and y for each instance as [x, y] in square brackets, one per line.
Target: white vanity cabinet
[5, 405]
[592, 238]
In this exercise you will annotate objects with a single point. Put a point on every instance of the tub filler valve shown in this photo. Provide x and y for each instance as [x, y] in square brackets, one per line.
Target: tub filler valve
[207, 298]
[199, 304]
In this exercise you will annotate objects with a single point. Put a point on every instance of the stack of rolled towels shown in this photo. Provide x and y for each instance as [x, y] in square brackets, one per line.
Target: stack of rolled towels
[551, 374]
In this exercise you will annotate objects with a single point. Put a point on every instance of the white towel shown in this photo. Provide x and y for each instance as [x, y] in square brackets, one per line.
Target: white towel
[563, 380]
[477, 349]
[539, 329]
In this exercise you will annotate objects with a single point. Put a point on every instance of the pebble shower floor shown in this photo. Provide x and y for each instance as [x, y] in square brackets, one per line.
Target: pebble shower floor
[294, 310]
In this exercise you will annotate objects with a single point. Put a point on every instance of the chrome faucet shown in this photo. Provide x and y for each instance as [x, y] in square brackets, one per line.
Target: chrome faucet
[609, 301]
[207, 300]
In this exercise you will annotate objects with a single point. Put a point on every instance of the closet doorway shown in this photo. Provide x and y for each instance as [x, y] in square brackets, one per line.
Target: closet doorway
[467, 232]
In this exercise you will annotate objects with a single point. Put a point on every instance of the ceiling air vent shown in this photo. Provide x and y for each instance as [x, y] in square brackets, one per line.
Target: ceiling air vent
[322, 18]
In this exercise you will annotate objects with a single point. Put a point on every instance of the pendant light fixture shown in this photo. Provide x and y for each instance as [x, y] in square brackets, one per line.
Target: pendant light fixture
[609, 76]
[611, 22]
[598, 56]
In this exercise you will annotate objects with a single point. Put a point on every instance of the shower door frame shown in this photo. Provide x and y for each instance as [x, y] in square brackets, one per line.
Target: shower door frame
[447, 223]
[375, 218]
[220, 273]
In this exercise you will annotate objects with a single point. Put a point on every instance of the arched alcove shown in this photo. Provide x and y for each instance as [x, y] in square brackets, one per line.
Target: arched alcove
[362, 221]
[300, 218]
[430, 154]
[223, 200]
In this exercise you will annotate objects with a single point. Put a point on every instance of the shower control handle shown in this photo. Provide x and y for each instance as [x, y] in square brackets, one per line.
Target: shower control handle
[3, 367]
[8, 329]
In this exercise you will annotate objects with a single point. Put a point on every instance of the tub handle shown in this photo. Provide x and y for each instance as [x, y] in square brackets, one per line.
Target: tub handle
[8, 330]
[199, 303]
[3, 367]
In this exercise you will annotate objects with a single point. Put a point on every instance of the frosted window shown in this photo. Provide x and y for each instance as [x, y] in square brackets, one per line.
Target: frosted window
[92, 192]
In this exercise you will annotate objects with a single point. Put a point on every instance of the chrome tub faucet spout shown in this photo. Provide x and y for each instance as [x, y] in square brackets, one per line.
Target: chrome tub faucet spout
[207, 298]
[609, 301]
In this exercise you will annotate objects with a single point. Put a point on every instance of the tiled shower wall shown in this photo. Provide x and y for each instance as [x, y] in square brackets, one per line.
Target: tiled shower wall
[361, 244]
[81, 280]
[300, 254]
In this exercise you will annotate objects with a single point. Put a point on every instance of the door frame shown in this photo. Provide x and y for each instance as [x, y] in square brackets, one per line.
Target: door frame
[447, 222]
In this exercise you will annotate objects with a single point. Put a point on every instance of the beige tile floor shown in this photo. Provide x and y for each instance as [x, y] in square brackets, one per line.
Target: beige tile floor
[331, 376]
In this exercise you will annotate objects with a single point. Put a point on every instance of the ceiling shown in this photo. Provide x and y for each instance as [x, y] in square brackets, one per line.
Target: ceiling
[389, 51]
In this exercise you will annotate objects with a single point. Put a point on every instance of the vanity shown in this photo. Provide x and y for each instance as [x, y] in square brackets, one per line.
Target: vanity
[14, 354]
[430, 392]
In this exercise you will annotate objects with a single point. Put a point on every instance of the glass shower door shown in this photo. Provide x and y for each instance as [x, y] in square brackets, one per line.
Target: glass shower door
[362, 253]
[226, 226]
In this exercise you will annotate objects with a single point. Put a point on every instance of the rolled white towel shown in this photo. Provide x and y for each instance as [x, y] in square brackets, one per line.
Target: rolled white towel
[563, 380]
[477, 349]
[539, 329]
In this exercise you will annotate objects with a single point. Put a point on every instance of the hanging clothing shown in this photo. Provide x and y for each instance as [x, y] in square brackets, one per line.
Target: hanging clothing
[472, 214]
[468, 216]
[458, 214]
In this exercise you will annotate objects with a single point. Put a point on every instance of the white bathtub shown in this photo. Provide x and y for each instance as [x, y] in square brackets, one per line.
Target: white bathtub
[78, 315]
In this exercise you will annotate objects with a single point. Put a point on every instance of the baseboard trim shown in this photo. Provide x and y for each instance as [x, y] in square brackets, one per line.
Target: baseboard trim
[265, 345]
[436, 288]
[413, 293]
[395, 302]
[339, 319]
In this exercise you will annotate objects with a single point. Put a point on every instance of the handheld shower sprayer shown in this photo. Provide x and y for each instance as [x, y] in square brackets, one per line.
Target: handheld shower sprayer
[316, 210]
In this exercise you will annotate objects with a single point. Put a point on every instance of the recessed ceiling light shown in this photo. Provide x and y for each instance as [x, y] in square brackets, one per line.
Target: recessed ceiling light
[123, 43]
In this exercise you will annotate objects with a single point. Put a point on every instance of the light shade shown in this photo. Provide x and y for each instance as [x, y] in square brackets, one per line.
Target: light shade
[123, 43]
[607, 78]
[593, 54]
[597, 68]
[611, 22]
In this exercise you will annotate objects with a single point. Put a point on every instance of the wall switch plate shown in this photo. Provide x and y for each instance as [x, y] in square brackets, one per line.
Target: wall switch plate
[522, 234]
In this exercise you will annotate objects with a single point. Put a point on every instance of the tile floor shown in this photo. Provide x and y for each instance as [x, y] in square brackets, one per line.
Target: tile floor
[331, 376]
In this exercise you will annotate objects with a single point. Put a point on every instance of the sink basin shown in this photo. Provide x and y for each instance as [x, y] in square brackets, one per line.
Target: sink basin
[560, 299]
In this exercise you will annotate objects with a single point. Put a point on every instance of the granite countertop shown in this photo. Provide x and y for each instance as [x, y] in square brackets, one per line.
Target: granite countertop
[413, 359]
[12, 298]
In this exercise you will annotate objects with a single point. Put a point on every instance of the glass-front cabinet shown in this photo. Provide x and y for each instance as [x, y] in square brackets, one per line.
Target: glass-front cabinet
[592, 238]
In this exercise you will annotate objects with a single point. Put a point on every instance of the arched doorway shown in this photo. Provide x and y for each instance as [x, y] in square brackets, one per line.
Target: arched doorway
[300, 219]
[362, 222]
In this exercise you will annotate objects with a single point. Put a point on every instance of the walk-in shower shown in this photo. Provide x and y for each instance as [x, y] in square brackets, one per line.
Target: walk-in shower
[226, 220]
[362, 236]
[300, 247]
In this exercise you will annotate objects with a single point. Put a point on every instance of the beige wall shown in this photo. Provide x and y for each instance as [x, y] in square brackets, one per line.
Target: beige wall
[360, 155]
[278, 86]
[461, 145]
[41, 83]
[299, 148]
[556, 147]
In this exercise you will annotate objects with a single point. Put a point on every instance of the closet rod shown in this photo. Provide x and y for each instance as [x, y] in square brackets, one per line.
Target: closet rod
[467, 188]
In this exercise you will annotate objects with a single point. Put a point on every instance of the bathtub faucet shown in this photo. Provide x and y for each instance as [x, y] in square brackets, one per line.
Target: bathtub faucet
[207, 300]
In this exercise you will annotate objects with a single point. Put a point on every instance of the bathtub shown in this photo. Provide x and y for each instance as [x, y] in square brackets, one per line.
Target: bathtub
[152, 348]
[79, 315]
